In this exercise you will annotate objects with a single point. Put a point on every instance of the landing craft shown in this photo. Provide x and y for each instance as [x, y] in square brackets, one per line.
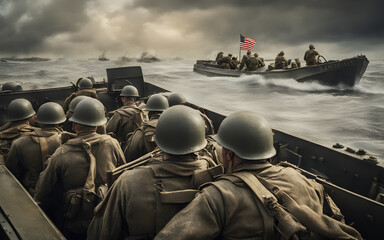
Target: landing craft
[352, 177]
[346, 72]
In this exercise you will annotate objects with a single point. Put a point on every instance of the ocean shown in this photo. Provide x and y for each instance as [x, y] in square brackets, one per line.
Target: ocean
[325, 115]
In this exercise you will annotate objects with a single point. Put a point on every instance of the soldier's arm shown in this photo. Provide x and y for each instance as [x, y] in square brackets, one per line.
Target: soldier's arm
[108, 220]
[203, 218]
[13, 160]
[113, 123]
[48, 179]
[135, 147]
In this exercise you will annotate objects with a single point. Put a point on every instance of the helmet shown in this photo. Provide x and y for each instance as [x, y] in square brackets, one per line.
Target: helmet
[230, 55]
[85, 83]
[176, 99]
[249, 52]
[75, 101]
[89, 112]
[11, 86]
[20, 109]
[256, 55]
[157, 103]
[311, 46]
[246, 134]
[129, 91]
[50, 113]
[180, 130]
[281, 53]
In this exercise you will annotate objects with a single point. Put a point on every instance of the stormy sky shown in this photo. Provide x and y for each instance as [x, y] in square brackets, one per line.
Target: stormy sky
[190, 28]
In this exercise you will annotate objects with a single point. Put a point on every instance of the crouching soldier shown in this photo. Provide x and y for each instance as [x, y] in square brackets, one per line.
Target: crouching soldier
[245, 202]
[29, 152]
[78, 171]
[85, 86]
[144, 199]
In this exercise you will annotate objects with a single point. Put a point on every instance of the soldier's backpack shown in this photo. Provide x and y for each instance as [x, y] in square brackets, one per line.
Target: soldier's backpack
[291, 220]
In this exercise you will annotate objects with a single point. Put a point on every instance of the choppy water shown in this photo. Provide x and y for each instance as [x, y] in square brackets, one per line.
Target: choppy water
[326, 115]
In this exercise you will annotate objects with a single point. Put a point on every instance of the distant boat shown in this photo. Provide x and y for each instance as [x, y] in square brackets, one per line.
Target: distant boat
[103, 58]
[26, 59]
[147, 58]
[332, 73]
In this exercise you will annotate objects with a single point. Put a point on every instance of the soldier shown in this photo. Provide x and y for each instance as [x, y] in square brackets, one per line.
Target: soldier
[71, 108]
[260, 61]
[142, 141]
[233, 206]
[234, 63]
[29, 153]
[245, 59]
[127, 118]
[85, 86]
[219, 56]
[144, 199]
[280, 61]
[226, 62]
[311, 56]
[20, 113]
[67, 188]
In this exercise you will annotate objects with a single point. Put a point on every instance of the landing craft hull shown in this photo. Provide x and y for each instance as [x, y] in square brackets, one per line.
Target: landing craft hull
[351, 177]
[346, 72]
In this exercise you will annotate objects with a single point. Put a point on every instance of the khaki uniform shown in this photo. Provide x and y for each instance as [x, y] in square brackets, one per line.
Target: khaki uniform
[83, 92]
[142, 140]
[143, 200]
[28, 155]
[310, 56]
[244, 61]
[228, 210]
[66, 174]
[219, 57]
[10, 132]
[280, 62]
[124, 121]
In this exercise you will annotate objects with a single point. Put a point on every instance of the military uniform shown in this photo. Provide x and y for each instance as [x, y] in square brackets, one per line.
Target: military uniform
[124, 121]
[142, 140]
[67, 173]
[310, 56]
[28, 154]
[280, 62]
[244, 61]
[10, 132]
[144, 199]
[82, 92]
[219, 57]
[227, 208]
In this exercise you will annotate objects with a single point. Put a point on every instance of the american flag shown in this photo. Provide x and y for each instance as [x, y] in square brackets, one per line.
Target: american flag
[246, 43]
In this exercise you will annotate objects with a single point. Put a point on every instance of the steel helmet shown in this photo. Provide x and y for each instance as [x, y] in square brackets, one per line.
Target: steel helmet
[20, 109]
[157, 103]
[50, 113]
[76, 101]
[256, 55]
[281, 53]
[180, 130]
[311, 46]
[246, 134]
[176, 99]
[89, 112]
[11, 86]
[129, 91]
[85, 83]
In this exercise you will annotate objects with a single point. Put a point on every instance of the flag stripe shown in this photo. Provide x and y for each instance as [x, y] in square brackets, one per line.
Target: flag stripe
[246, 43]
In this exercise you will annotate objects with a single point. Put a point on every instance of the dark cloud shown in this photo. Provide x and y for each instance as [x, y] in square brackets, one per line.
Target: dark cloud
[25, 25]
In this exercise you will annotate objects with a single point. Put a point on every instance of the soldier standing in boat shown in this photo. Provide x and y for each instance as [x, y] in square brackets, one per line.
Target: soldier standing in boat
[85, 86]
[142, 201]
[311, 56]
[226, 61]
[280, 61]
[29, 152]
[142, 140]
[240, 204]
[127, 118]
[245, 59]
[69, 188]
[20, 114]
[234, 63]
